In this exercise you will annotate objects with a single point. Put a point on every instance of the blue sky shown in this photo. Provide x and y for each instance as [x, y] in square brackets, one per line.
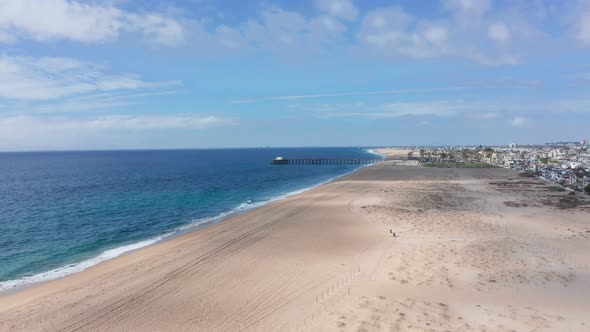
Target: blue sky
[124, 74]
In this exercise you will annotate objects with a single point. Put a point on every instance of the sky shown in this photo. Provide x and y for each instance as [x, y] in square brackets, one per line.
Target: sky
[154, 74]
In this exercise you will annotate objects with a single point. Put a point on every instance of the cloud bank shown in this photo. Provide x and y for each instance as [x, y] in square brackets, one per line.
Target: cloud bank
[48, 78]
[50, 20]
[28, 132]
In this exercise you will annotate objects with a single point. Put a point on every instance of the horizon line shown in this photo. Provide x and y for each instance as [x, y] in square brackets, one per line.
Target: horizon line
[280, 147]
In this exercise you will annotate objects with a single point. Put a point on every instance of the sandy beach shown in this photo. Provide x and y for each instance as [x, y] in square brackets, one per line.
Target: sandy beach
[476, 250]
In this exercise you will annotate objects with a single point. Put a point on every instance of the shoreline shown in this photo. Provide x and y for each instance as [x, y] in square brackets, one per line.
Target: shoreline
[13, 286]
[467, 239]
[325, 260]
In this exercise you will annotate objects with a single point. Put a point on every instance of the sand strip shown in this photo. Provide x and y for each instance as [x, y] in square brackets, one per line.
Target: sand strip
[465, 259]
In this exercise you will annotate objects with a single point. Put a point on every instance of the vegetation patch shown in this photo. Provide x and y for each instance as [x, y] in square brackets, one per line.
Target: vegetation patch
[555, 188]
[515, 204]
[567, 202]
[459, 165]
[526, 175]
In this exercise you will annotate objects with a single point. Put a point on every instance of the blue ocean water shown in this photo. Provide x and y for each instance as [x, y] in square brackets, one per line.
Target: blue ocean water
[61, 212]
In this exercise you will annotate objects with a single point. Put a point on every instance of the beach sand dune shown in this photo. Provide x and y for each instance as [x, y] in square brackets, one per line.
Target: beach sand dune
[476, 250]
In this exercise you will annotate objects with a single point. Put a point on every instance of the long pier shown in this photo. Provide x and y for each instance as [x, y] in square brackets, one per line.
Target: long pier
[326, 161]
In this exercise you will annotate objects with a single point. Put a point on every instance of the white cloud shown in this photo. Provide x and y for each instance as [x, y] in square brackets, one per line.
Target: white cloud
[388, 31]
[29, 123]
[581, 76]
[283, 26]
[26, 132]
[453, 107]
[466, 30]
[437, 108]
[47, 20]
[47, 78]
[393, 31]
[386, 19]
[441, 108]
[583, 28]
[495, 60]
[157, 122]
[346, 94]
[228, 37]
[344, 9]
[495, 35]
[279, 30]
[499, 32]
[326, 25]
[468, 7]
[6, 38]
[100, 101]
[518, 121]
[436, 35]
[159, 30]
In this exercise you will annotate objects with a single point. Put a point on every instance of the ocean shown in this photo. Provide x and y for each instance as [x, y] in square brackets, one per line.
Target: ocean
[62, 212]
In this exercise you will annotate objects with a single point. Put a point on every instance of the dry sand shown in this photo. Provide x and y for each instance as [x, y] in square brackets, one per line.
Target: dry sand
[477, 249]
[395, 153]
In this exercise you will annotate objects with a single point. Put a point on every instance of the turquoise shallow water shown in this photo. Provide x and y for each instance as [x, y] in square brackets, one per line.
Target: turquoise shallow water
[61, 212]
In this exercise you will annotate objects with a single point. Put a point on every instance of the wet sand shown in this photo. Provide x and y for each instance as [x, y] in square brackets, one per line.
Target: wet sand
[477, 249]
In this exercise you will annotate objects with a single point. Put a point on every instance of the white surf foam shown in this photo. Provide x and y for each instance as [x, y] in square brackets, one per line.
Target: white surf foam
[202, 222]
[116, 252]
[371, 151]
[77, 267]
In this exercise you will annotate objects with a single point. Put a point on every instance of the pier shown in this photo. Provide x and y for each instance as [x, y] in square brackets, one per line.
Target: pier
[325, 161]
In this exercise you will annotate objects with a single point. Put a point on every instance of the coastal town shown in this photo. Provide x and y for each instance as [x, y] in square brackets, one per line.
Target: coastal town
[566, 164]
